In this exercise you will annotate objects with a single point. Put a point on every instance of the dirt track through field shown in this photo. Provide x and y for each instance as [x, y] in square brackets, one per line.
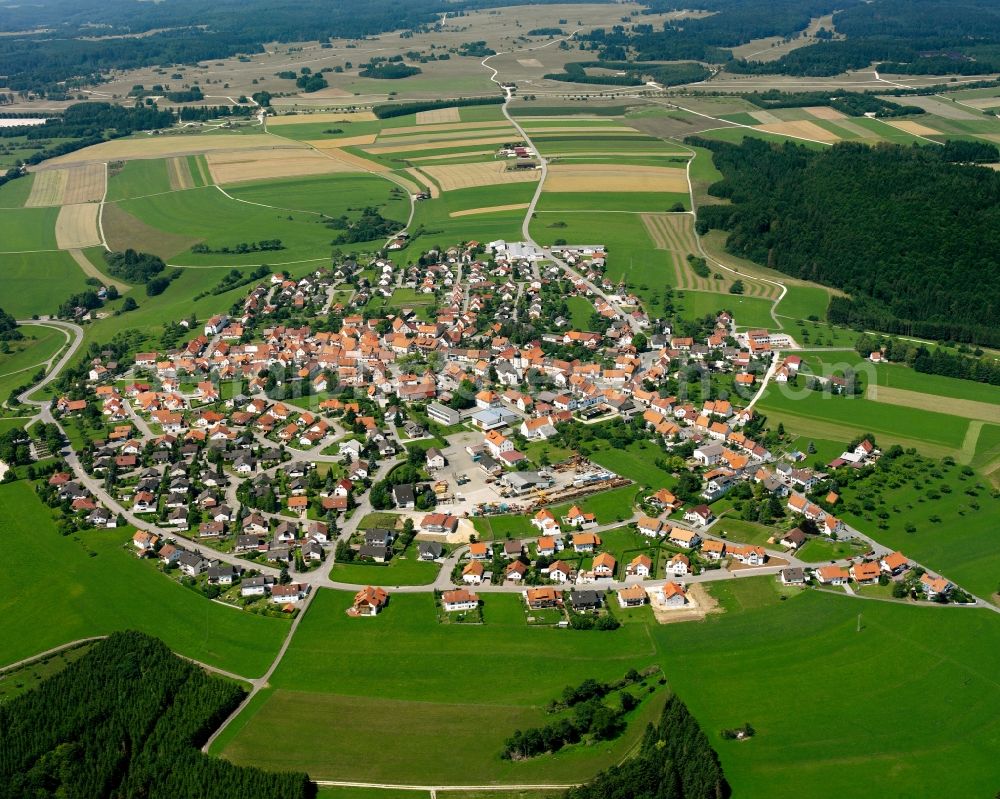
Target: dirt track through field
[76, 226]
[425, 180]
[179, 173]
[92, 271]
[968, 409]
[489, 210]
[438, 115]
[48, 188]
[485, 173]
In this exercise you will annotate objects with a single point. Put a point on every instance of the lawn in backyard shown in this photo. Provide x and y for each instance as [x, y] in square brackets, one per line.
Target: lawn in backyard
[608, 506]
[91, 583]
[740, 531]
[637, 461]
[821, 550]
[400, 570]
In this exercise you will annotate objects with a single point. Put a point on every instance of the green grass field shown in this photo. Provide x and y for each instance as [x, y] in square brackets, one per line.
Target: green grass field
[607, 506]
[139, 178]
[802, 302]
[28, 356]
[27, 229]
[332, 195]
[94, 585]
[748, 311]
[636, 462]
[36, 283]
[464, 687]
[398, 571]
[820, 550]
[14, 193]
[735, 529]
[210, 216]
[855, 413]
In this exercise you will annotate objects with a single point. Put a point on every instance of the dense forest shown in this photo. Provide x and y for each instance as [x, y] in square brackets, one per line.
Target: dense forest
[923, 37]
[636, 74]
[675, 761]
[911, 236]
[135, 267]
[127, 720]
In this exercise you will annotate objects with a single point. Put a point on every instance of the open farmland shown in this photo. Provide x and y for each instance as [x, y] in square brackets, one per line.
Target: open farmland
[137, 178]
[76, 593]
[244, 166]
[486, 173]
[35, 283]
[168, 146]
[970, 409]
[76, 226]
[286, 120]
[28, 229]
[437, 115]
[614, 178]
[48, 188]
[508, 672]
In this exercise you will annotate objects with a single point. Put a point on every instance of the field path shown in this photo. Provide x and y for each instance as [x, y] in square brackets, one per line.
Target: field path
[92, 271]
[969, 442]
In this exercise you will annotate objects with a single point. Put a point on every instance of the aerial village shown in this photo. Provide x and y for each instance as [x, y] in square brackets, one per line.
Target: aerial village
[305, 432]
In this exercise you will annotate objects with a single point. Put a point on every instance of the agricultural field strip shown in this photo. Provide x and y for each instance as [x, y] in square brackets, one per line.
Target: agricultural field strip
[969, 409]
[299, 119]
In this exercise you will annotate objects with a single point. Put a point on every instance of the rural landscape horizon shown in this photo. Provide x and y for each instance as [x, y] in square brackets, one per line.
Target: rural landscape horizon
[473, 399]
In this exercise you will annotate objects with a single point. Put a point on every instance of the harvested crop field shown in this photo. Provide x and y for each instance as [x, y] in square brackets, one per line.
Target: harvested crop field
[615, 178]
[800, 129]
[85, 184]
[166, 146]
[531, 63]
[349, 141]
[179, 173]
[825, 112]
[493, 209]
[48, 188]
[404, 147]
[241, 166]
[123, 230]
[486, 173]
[916, 128]
[968, 409]
[424, 180]
[437, 115]
[764, 117]
[543, 131]
[76, 226]
[414, 140]
[332, 116]
[456, 127]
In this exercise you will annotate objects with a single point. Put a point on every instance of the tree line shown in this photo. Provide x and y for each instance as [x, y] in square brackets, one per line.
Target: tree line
[127, 720]
[909, 235]
[402, 109]
[937, 361]
[675, 761]
[854, 104]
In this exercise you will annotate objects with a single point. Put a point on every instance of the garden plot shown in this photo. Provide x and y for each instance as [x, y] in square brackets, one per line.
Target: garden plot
[238, 167]
[76, 226]
[487, 173]
[614, 178]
